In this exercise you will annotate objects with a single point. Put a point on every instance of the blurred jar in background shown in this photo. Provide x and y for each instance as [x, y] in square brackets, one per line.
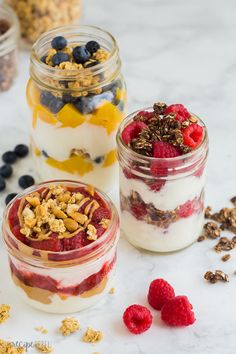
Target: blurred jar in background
[9, 38]
[38, 16]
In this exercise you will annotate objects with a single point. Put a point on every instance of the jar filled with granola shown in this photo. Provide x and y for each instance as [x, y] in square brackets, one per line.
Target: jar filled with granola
[162, 154]
[61, 238]
[77, 98]
[37, 17]
[9, 38]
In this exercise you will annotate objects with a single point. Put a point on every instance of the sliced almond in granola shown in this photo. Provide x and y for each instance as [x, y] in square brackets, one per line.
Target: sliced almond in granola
[34, 201]
[71, 225]
[80, 218]
[59, 213]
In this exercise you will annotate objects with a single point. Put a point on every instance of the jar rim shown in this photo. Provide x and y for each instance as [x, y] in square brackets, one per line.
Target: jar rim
[97, 244]
[140, 157]
[61, 74]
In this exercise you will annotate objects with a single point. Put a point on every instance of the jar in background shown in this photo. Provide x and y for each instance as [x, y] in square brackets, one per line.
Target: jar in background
[61, 272]
[75, 113]
[164, 213]
[9, 37]
[39, 16]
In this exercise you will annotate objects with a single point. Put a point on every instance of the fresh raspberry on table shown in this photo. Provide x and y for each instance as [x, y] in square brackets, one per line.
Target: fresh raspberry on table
[181, 113]
[193, 135]
[178, 312]
[160, 291]
[132, 130]
[187, 209]
[137, 319]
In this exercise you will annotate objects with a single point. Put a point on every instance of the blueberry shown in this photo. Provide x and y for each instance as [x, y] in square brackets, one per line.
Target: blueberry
[92, 46]
[113, 86]
[81, 54]
[9, 157]
[67, 98]
[45, 98]
[107, 96]
[9, 197]
[26, 181]
[92, 63]
[6, 171]
[2, 184]
[21, 150]
[64, 83]
[56, 104]
[99, 159]
[85, 105]
[59, 58]
[59, 43]
[45, 153]
[43, 59]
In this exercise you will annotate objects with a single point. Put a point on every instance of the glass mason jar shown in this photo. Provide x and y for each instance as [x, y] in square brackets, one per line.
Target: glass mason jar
[61, 282]
[37, 17]
[9, 38]
[78, 141]
[164, 213]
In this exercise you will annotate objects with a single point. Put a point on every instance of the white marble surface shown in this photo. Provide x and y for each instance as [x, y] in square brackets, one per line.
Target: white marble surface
[175, 51]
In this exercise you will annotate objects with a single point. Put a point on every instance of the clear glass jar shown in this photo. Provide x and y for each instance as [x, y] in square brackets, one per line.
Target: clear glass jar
[62, 282]
[77, 143]
[164, 213]
[37, 17]
[9, 38]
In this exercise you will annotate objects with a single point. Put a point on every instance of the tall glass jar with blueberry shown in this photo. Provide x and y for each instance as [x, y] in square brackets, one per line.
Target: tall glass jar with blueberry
[77, 98]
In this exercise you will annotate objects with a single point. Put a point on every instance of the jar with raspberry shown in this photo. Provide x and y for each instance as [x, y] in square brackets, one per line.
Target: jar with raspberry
[162, 154]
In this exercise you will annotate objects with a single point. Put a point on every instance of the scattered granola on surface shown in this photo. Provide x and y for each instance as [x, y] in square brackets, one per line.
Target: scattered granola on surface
[9, 348]
[41, 329]
[69, 325]
[43, 347]
[4, 312]
[112, 291]
[92, 336]
[226, 257]
[219, 275]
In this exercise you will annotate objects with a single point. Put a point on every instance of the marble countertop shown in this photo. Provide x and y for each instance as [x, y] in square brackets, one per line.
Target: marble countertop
[174, 51]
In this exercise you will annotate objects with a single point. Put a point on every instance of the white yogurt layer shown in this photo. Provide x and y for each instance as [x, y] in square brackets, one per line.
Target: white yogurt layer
[179, 234]
[58, 142]
[173, 194]
[72, 303]
[101, 177]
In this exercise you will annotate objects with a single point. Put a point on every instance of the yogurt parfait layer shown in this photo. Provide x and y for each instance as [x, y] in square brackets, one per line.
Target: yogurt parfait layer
[77, 98]
[162, 154]
[61, 240]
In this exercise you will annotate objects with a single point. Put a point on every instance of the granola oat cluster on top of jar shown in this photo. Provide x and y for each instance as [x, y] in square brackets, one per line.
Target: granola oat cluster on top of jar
[61, 239]
[37, 17]
[162, 153]
[77, 97]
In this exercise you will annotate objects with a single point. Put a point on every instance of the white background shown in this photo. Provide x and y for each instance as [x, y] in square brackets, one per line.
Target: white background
[178, 51]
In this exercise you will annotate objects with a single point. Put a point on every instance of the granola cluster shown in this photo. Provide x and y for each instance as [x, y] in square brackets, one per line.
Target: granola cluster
[37, 17]
[43, 347]
[57, 210]
[219, 275]
[69, 325]
[9, 348]
[4, 312]
[92, 336]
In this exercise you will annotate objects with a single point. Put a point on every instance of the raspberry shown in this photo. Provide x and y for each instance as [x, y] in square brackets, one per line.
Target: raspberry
[157, 185]
[132, 130]
[193, 135]
[162, 149]
[159, 293]
[137, 319]
[138, 209]
[146, 114]
[178, 312]
[101, 213]
[186, 209]
[181, 113]
[128, 174]
[52, 244]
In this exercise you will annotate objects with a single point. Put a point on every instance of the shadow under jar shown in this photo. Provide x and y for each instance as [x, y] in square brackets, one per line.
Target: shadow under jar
[76, 111]
[77, 272]
[162, 213]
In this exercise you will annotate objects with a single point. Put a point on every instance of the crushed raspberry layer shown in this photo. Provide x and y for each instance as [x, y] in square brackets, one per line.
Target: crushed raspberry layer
[56, 242]
[151, 215]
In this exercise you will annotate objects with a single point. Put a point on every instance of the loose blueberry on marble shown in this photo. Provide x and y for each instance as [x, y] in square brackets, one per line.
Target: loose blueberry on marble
[21, 150]
[81, 54]
[9, 157]
[2, 184]
[92, 47]
[56, 104]
[6, 171]
[46, 97]
[26, 181]
[9, 197]
[59, 58]
[59, 43]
